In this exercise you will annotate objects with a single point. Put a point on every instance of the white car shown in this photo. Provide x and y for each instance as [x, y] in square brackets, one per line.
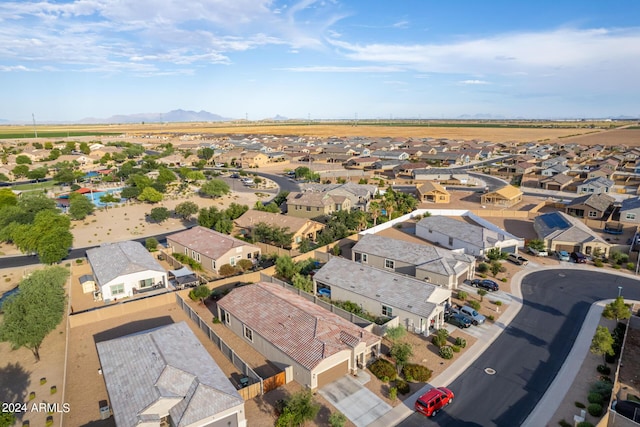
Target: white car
[537, 252]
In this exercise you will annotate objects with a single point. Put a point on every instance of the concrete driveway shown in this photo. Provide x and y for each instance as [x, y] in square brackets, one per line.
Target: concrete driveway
[354, 400]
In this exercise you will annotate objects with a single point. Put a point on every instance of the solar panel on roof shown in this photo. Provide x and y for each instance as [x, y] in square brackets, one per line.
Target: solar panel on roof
[554, 220]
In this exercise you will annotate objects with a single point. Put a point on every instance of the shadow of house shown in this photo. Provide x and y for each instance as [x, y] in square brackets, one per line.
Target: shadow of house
[132, 328]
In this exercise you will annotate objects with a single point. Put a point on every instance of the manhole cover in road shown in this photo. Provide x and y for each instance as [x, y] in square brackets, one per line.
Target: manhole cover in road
[489, 371]
[562, 275]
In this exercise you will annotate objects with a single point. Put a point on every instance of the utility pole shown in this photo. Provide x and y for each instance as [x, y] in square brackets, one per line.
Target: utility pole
[35, 130]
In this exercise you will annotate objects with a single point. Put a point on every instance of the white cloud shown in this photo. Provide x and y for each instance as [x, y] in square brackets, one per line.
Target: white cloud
[473, 82]
[336, 69]
[401, 24]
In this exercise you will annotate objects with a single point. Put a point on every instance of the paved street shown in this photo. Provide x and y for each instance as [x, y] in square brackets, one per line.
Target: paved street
[529, 353]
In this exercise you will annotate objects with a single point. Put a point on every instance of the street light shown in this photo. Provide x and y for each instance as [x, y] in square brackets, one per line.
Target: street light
[619, 290]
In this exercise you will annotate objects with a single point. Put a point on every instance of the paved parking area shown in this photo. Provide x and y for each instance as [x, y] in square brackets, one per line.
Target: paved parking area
[354, 400]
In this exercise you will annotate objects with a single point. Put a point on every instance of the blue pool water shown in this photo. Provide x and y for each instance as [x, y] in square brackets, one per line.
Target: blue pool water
[95, 196]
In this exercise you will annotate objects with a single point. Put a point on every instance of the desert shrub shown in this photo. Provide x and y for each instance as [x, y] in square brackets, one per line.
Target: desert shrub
[402, 386]
[598, 262]
[564, 423]
[462, 295]
[216, 321]
[605, 378]
[594, 398]
[227, 270]
[603, 388]
[595, 409]
[438, 341]
[504, 280]
[617, 267]
[631, 266]
[382, 368]
[579, 405]
[498, 303]
[418, 373]
[490, 318]
[604, 369]
[338, 419]
[446, 352]
[474, 304]
[483, 267]
[455, 348]
[461, 342]
[244, 264]
[584, 424]
[393, 393]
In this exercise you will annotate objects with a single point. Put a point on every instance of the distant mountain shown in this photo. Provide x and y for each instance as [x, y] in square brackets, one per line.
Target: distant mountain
[171, 116]
[481, 117]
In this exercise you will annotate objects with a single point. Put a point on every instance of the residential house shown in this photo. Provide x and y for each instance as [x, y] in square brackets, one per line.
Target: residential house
[253, 159]
[165, 377]
[360, 162]
[210, 248]
[302, 228]
[439, 266]
[442, 175]
[418, 305]
[289, 330]
[473, 239]
[433, 192]
[504, 197]
[630, 210]
[595, 185]
[547, 163]
[556, 183]
[555, 170]
[406, 169]
[592, 206]
[312, 204]
[123, 269]
[391, 155]
[560, 231]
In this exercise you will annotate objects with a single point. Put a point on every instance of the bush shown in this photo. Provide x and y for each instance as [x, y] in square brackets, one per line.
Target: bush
[603, 388]
[393, 393]
[564, 423]
[462, 295]
[598, 262]
[483, 267]
[438, 341]
[461, 342]
[595, 398]
[455, 348]
[491, 318]
[227, 270]
[584, 424]
[402, 386]
[504, 280]
[244, 264]
[382, 368]
[595, 409]
[337, 419]
[416, 372]
[446, 352]
[474, 304]
[604, 369]
[631, 266]
[579, 405]
[498, 303]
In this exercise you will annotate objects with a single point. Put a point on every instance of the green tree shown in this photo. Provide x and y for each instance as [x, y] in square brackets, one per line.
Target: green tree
[617, 309]
[298, 409]
[84, 148]
[206, 153]
[36, 310]
[396, 333]
[494, 254]
[159, 214]
[4, 178]
[536, 244]
[280, 198]
[23, 160]
[495, 267]
[209, 216]
[109, 198]
[195, 176]
[186, 209]
[482, 293]
[80, 206]
[401, 352]
[20, 171]
[7, 419]
[215, 188]
[165, 176]
[33, 203]
[375, 210]
[200, 293]
[65, 176]
[151, 195]
[235, 211]
[305, 245]
[151, 244]
[286, 267]
[602, 342]
[38, 173]
[273, 235]
[302, 282]
[130, 192]
[223, 225]
[269, 207]
[7, 198]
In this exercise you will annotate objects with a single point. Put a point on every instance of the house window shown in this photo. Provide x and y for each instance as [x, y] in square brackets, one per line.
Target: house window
[117, 289]
[365, 258]
[593, 214]
[232, 261]
[213, 264]
[227, 318]
[387, 311]
[631, 216]
[308, 208]
[146, 283]
[390, 264]
[248, 333]
[186, 251]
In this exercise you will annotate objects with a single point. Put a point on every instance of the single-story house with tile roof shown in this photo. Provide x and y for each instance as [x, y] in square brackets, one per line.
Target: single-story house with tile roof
[506, 197]
[315, 205]
[290, 330]
[419, 305]
[124, 268]
[439, 266]
[595, 185]
[556, 183]
[432, 191]
[560, 231]
[474, 240]
[165, 377]
[302, 228]
[592, 206]
[630, 210]
[210, 248]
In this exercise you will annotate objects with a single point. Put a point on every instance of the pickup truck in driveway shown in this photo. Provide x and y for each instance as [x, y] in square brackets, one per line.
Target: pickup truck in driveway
[517, 259]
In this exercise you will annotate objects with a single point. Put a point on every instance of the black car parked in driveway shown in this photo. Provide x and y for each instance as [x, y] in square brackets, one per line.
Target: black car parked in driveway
[578, 257]
[487, 284]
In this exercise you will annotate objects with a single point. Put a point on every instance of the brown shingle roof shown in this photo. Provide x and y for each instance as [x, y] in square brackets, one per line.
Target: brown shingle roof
[208, 242]
[301, 329]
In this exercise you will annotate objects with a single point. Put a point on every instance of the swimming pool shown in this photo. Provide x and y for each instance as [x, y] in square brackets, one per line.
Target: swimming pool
[95, 196]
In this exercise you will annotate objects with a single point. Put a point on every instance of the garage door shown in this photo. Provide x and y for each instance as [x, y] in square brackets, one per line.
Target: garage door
[568, 248]
[333, 374]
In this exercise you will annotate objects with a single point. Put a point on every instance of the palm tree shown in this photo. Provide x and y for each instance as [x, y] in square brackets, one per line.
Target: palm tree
[375, 210]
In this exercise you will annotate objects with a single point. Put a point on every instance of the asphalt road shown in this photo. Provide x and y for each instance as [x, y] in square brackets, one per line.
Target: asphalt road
[529, 353]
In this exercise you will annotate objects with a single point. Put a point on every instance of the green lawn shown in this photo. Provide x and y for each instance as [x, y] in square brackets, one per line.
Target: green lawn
[35, 186]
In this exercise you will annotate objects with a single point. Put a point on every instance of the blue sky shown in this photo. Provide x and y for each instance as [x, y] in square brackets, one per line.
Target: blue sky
[67, 60]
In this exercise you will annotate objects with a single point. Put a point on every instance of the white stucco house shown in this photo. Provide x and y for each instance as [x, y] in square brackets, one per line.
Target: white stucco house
[123, 269]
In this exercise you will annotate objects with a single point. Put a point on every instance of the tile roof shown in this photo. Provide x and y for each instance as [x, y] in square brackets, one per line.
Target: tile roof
[563, 227]
[111, 260]
[166, 363]
[304, 331]
[598, 201]
[208, 242]
[424, 256]
[396, 290]
[478, 236]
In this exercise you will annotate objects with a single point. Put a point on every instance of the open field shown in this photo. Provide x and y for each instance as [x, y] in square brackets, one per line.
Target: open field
[468, 130]
[629, 136]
